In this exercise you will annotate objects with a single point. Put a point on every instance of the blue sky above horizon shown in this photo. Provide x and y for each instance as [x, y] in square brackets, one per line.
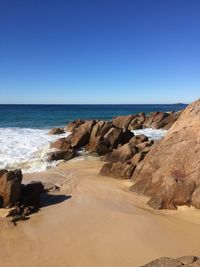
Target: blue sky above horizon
[99, 51]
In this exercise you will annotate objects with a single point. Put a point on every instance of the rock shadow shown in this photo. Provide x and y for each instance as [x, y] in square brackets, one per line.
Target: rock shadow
[50, 199]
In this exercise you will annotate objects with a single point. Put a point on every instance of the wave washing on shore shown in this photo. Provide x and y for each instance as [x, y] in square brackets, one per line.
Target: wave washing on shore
[27, 148]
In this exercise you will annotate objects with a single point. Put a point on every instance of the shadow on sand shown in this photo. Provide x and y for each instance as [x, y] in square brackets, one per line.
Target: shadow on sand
[49, 199]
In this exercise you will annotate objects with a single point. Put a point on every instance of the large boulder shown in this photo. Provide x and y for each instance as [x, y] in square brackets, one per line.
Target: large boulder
[73, 125]
[121, 154]
[137, 139]
[56, 131]
[122, 121]
[114, 136]
[97, 143]
[61, 155]
[81, 135]
[171, 171]
[117, 170]
[137, 121]
[10, 187]
[62, 143]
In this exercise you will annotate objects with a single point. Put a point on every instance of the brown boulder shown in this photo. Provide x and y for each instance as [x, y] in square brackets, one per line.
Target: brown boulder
[97, 143]
[137, 139]
[137, 158]
[56, 131]
[122, 121]
[61, 155]
[62, 143]
[117, 170]
[121, 154]
[137, 121]
[73, 125]
[10, 187]
[114, 136]
[167, 122]
[171, 169]
[154, 119]
[81, 135]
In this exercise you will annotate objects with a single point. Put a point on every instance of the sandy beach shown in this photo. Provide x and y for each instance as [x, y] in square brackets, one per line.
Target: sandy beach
[96, 221]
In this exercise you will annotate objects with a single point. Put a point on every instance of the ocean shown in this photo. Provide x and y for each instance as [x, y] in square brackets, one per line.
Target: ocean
[24, 139]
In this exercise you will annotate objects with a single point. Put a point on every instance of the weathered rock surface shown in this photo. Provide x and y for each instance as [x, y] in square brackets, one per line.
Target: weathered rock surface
[73, 125]
[117, 170]
[121, 154]
[56, 131]
[170, 172]
[62, 143]
[10, 187]
[81, 135]
[63, 154]
[170, 262]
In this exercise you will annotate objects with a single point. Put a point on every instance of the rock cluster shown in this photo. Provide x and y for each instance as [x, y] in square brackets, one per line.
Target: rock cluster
[116, 145]
[170, 173]
[25, 198]
[189, 261]
[104, 137]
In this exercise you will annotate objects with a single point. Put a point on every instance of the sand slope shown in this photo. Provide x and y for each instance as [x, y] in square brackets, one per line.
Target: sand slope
[102, 224]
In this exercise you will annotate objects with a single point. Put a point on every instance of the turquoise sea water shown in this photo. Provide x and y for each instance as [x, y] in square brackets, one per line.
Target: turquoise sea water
[48, 116]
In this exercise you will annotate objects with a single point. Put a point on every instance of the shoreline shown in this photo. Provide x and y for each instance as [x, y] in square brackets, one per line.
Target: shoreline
[102, 224]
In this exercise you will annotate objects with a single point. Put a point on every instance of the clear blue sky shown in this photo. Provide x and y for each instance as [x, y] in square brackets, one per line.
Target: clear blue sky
[99, 51]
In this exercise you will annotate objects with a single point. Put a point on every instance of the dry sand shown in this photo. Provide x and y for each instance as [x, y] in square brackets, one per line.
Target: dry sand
[101, 225]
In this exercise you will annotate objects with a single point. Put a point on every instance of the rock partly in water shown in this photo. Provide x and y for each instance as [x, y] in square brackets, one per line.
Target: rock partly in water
[56, 131]
[62, 155]
[171, 170]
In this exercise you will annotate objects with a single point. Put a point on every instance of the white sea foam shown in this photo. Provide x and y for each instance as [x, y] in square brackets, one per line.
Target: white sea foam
[152, 134]
[25, 149]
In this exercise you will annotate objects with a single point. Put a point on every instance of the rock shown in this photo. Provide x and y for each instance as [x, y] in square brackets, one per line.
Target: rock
[164, 262]
[113, 136]
[97, 142]
[117, 170]
[171, 169]
[73, 125]
[62, 143]
[56, 131]
[49, 187]
[137, 121]
[144, 146]
[137, 139]
[121, 154]
[155, 203]
[137, 158]
[61, 155]
[122, 121]
[170, 262]
[81, 135]
[187, 259]
[154, 119]
[10, 187]
[126, 136]
[30, 194]
[167, 122]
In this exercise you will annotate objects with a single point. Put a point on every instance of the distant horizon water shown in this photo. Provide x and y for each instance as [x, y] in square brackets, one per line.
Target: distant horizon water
[45, 116]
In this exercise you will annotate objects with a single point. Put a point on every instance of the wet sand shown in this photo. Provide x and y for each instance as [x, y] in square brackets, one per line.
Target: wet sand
[95, 221]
